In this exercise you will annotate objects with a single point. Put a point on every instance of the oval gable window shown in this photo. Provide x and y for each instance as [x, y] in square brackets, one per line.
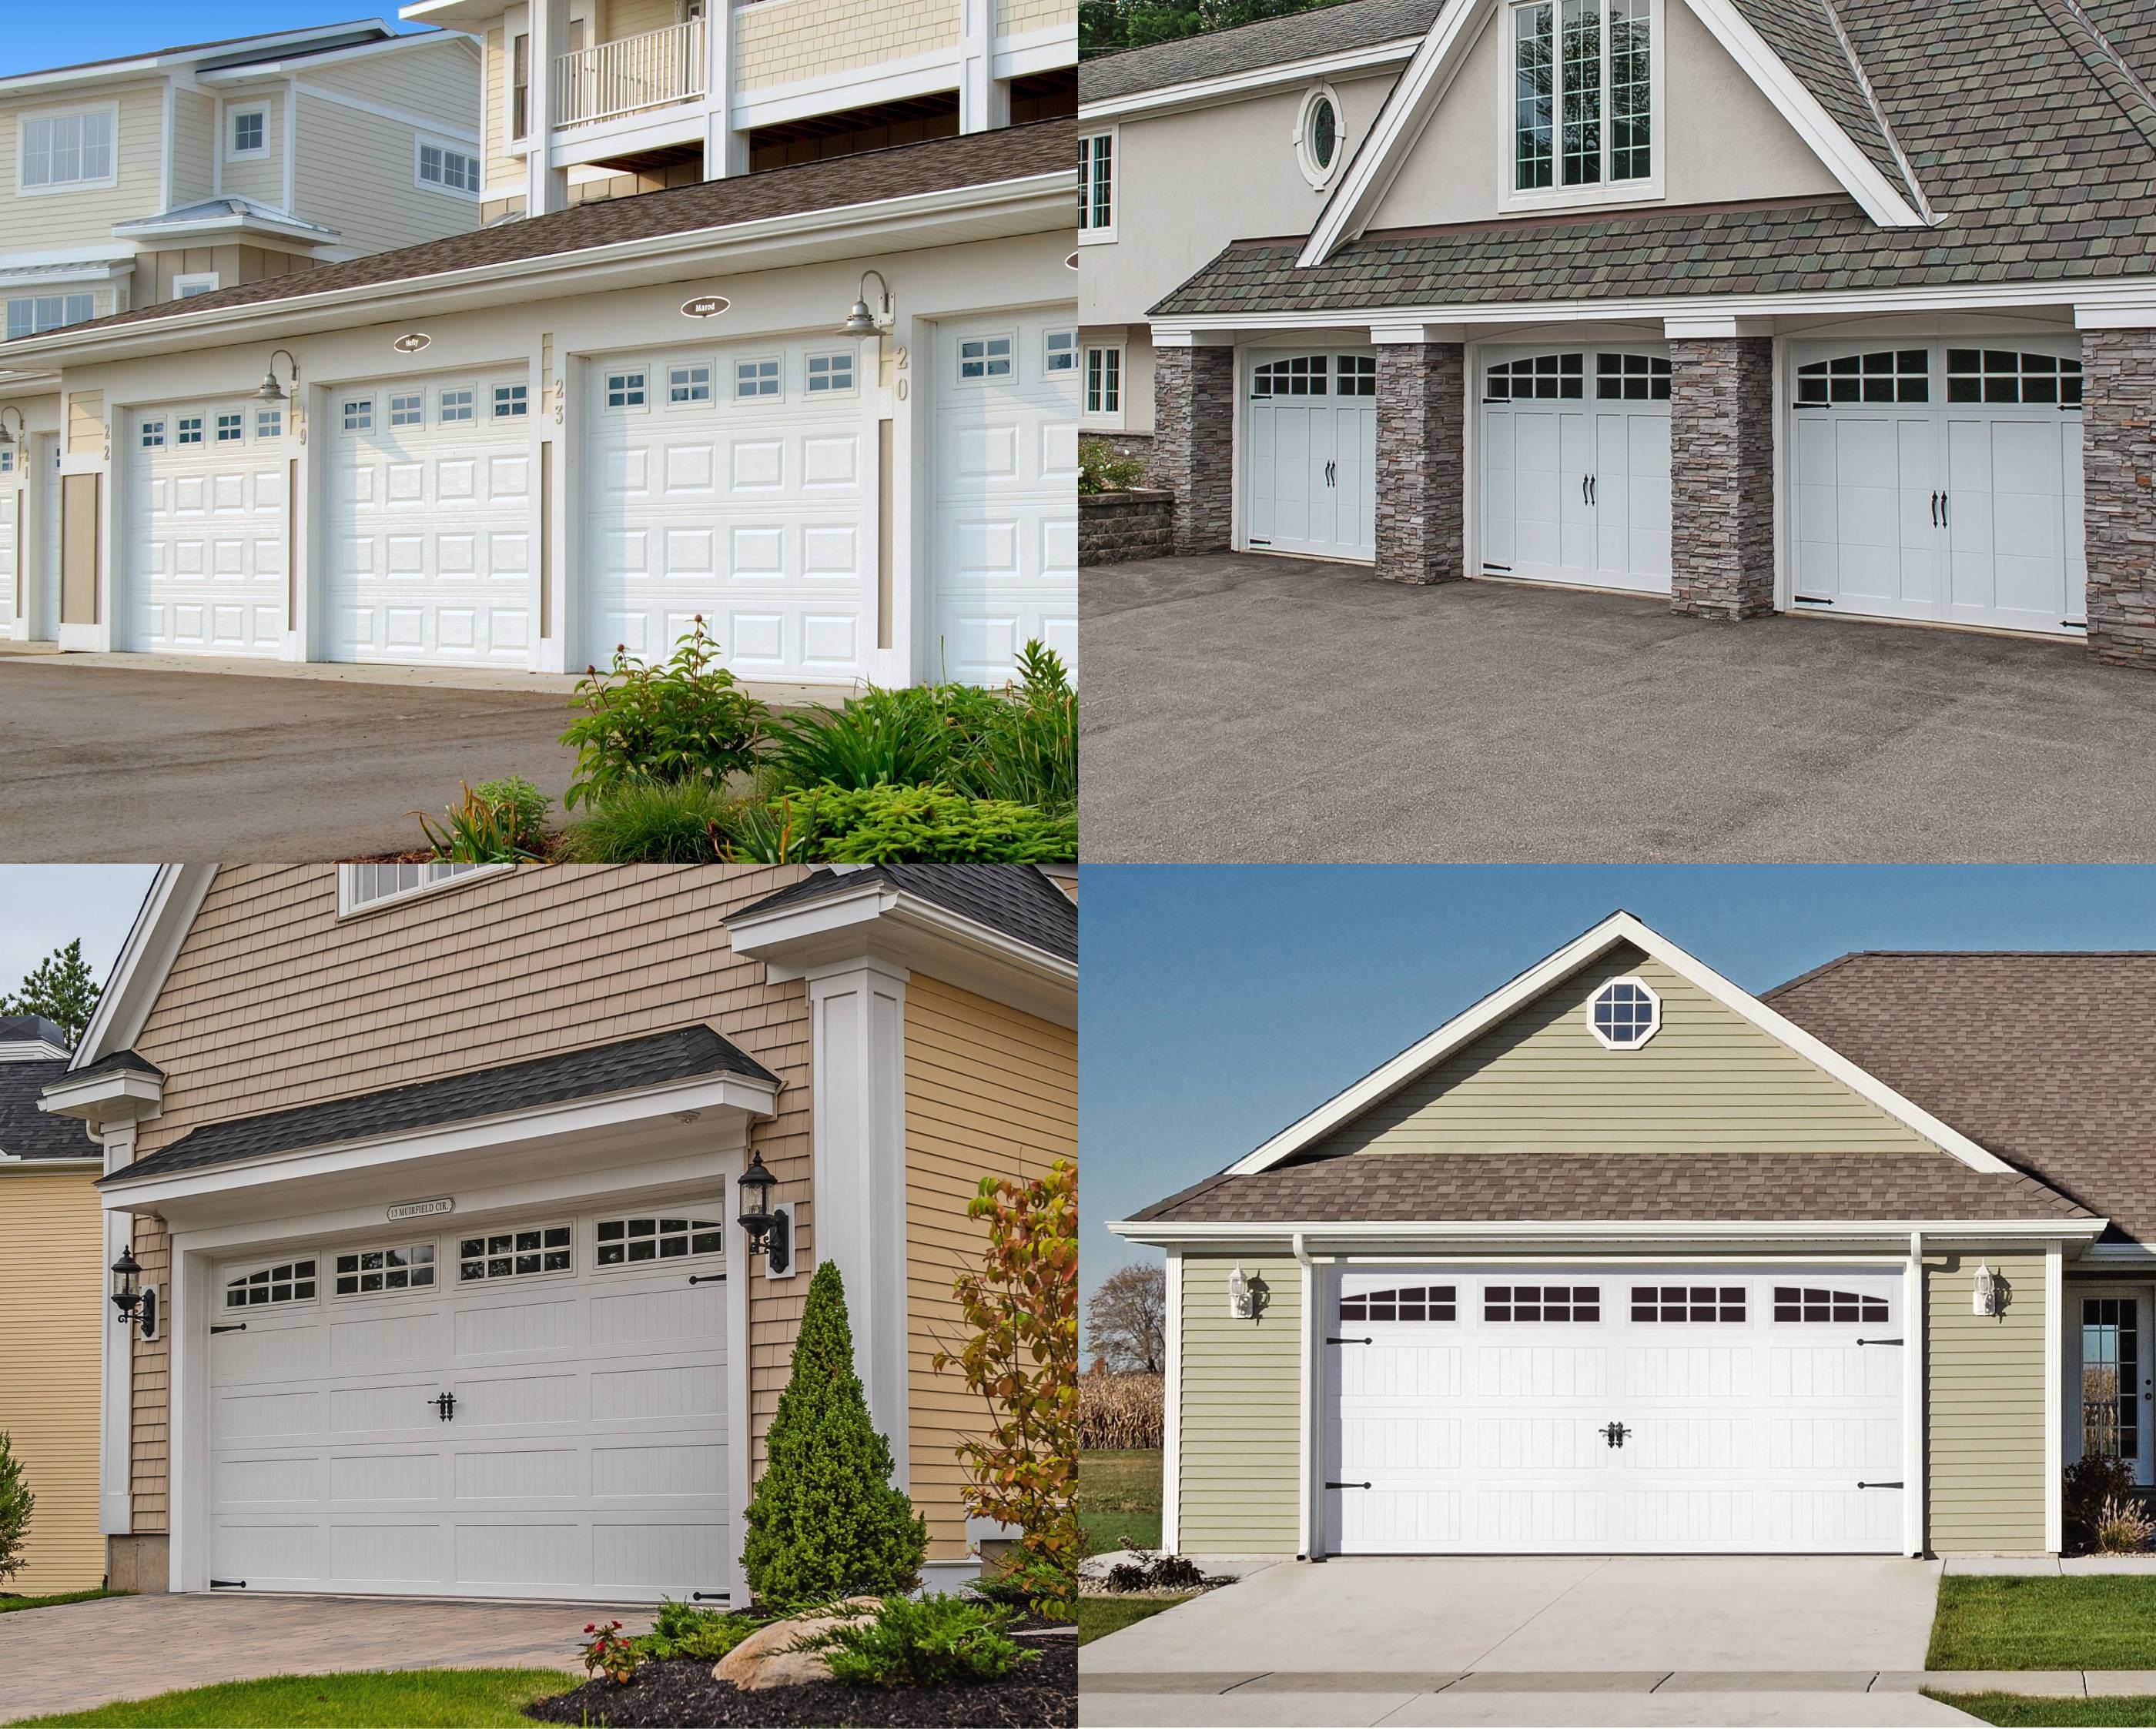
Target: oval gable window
[1318, 138]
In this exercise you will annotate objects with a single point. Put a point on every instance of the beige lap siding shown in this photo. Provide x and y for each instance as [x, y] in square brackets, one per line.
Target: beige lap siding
[1241, 1411]
[990, 1092]
[195, 145]
[273, 1001]
[1984, 1412]
[782, 41]
[83, 216]
[1016, 18]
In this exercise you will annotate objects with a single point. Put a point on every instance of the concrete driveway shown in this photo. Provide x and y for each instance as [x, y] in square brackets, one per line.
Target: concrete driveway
[115, 1648]
[1260, 709]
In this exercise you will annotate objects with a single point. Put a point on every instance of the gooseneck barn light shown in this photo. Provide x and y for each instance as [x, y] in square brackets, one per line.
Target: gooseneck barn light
[861, 321]
[769, 1234]
[5, 438]
[271, 391]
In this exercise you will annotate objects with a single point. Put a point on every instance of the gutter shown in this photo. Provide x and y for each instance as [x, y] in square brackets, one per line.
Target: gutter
[1594, 1233]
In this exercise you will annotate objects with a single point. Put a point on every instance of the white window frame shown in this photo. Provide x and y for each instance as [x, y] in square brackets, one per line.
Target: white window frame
[688, 404]
[504, 403]
[1555, 196]
[485, 1282]
[1105, 233]
[1319, 176]
[851, 386]
[217, 418]
[713, 1212]
[24, 122]
[232, 152]
[443, 393]
[64, 296]
[149, 434]
[365, 404]
[434, 1287]
[264, 410]
[1653, 1015]
[435, 879]
[958, 360]
[641, 371]
[195, 282]
[425, 141]
[1075, 348]
[1115, 417]
[227, 1276]
[735, 362]
[392, 408]
[181, 422]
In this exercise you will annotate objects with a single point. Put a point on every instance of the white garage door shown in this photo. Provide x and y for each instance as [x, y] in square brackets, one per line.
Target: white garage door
[429, 536]
[1941, 482]
[1311, 457]
[1601, 1411]
[206, 528]
[534, 1410]
[1575, 465]
[735, 484]
[1004, 533]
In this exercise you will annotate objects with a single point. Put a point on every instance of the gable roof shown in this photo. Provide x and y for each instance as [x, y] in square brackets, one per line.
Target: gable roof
[1807, 37]
[1014, 900]
[26, 1132]
[2063, 1085]
[1326, 31]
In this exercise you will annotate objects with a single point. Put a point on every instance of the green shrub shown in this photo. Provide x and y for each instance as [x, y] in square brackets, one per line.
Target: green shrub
[932, 1641]
[527, 806]
[497, 822]
[16, 1504]
[875, 825]
[1027, 751]
[652, 823]
[679, 1630]
[825, 1521]
[1029, 1582]
[684, 719]
[1101, 468]
[906, 737]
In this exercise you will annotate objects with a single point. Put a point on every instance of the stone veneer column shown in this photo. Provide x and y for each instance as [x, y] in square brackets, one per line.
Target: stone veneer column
[1722, 476]
[1193, 392]
[2118, 481]
[1421, 462]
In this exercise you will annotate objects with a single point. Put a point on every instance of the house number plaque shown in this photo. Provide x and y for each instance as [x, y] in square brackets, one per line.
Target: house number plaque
[421, 1209]
[412, 343]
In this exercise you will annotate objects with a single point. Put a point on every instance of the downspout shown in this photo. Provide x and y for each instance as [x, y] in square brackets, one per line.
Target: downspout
[1309, 1545]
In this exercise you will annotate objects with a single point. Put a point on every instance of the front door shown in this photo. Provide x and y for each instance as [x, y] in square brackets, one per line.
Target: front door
[1312, 455]
[2115, 1378]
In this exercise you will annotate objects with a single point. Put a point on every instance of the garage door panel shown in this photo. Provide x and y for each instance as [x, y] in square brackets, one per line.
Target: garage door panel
[205, 565]
[270, 1481]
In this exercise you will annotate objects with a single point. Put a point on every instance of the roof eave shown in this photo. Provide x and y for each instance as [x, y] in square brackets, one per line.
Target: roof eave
[1324, 1236]
[67, 77]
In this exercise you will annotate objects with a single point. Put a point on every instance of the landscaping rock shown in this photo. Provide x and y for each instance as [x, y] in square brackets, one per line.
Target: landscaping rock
[765, 1659]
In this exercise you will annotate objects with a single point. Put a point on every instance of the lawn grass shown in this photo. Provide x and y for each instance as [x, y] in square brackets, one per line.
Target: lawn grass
[406, 1699]
[54, 1601]
[1100, 1616]
[2021, 1708]
[1991, 1621]
[1119, 1500]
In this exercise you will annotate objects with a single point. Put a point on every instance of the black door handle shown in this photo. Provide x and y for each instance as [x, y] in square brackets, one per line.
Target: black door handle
[445, 1406]
[1583, 489]
[1594, 488]
[1935, 509]
[1945, 509]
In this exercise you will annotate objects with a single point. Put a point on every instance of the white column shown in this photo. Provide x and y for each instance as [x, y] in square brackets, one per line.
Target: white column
[858, 1011]
[116, 1428]
[726, 150]
[545, 187]
[983, 99]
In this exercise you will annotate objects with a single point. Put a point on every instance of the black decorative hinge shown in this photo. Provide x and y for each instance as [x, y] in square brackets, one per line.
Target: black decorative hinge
[707, 1278]
[1351, 1341]
[1814, 600]
[1879, 1342]
[1347, 1486]
[445, 1406]
[236, 1327]
[711, 1597]
[228, 1584]
[1615, 1434]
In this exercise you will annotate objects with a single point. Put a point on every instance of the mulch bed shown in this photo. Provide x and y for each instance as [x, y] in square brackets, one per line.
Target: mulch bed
[681, 1695]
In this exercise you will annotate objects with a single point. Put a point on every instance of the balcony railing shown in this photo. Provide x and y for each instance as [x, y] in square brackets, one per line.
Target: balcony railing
[626, 76]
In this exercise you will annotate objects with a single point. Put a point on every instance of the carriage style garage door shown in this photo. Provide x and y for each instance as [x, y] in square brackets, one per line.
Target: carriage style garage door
[1940, 481]
[1595, 1411]
[207, 542]
[737, 484]
[1574, 453]
[1310, 454]
[428, 536]
[1004, 529]
[534, 1410]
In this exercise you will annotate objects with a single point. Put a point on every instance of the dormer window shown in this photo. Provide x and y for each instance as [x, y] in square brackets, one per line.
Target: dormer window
[1625, 1014]
[1583, 101]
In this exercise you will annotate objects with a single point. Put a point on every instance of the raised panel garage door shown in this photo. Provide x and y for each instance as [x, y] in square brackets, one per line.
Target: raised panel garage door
[553, 1425]
[1641, 1410]
[206, 538]
[429, 539]
[1005, 534]
[735, 484]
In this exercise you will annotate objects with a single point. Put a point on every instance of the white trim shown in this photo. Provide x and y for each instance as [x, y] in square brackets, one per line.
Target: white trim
[1321, 175]
[432, 37]
[1234, 86]
[1916, 1333]
[403, 117]
[857, 87]
[1171, 1438]
[1654, 1003]
[2055, 1285]
[227, 122]
[165, 147]
[1316, 1297]
[1116, 419]
[1598, 1233]
[349, 907]
[1105, 234]
[194, 282]
[99, 71]
[1603, 193]
[110, 178]
[168, 910]
[1619, 928]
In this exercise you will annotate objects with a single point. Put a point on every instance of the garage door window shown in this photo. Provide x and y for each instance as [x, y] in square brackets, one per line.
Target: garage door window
[1299, 375]
[1541, 1302]
[153, 435]
[1357, 375]
[269, 422]
[408, 410]
[291, 1281]
[757, 378]
[689, 384]
[191, 429]
[830, 374]
[513, 1254]
[363, 1272]
[623, 1241]
[455, 407]
[510, 400]
[1842, 1308]
[1716, 1303]
[983, 357]
[359, 414]
[1631, 378]
[1895, 375]
[625, 390]
[1406, 1302]
[1546, 378]
[231, 428]
[2001, 375]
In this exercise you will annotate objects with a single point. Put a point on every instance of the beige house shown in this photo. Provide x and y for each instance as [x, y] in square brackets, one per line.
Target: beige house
[432, 1169]
[1624, 1259]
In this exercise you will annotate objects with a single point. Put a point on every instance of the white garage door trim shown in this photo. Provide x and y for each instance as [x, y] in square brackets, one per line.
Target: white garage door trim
[1900, 502]
[1309, 451]
[1486, 1430]
[586, 1454]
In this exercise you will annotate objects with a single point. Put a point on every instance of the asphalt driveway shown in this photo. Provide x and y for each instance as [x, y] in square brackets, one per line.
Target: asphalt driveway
[1249, 708]
[77, 1656]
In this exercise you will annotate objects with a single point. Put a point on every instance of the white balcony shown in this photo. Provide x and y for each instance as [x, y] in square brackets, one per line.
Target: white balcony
[631, 76]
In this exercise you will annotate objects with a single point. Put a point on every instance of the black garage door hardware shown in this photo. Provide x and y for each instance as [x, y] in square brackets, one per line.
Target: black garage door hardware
[236, 1326]
[1346, 1486]
[228, 1584]
[1351, 1341]
[707, 1278]
[1879, 1485]
[1880, 1341]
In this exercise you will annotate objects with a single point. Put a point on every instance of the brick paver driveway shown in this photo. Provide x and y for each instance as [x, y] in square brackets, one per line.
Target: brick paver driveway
[130, 1647]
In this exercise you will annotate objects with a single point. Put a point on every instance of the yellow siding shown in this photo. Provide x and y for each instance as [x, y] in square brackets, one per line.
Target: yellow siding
[1984, 1414]
[439, 82]
[990, 1092]
[1017, 17]
[260, 177]
[501, 167]
[780, 41]
[1708, 1081]
[194, 145]
[52, 1314]
[85, 421]
[1242, 1394]
[354, 173]
[80, 217]
[633, 18]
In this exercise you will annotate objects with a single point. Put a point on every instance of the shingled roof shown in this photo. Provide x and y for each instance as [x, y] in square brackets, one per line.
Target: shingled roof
[1250, 47]
[1018, 901]
[26, 1130]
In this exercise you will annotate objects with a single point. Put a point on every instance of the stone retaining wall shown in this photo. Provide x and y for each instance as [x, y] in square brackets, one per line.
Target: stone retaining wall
[1115, 527]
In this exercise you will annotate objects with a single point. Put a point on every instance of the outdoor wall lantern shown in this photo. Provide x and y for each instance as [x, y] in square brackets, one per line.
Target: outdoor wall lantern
[1988, 1295]
[133, 1302]
[863, 322]
[768, 1233]
[271, 391]
[6, 439]
[1242, 1296]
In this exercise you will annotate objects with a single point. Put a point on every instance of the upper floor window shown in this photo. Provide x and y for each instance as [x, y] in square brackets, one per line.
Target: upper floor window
[1097, 186]
[1317, 135]
[520, 86]
[1104, 381]
[1582, 96]
[446, 169]
[63, 150]
[363, 887]
[250, 132]
[33, 313]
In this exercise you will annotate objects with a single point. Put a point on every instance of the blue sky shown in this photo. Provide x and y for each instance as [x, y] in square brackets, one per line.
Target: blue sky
[1218, 1004]
[43, 906]
[38, 36]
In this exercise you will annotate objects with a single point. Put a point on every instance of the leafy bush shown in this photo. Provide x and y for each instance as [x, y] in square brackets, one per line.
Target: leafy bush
[686, 719]
[1032, 1583]
[2123, 1528]
[1027, 749]
[495, 823]
[2091, 1482]
[881, 824]
[1146, 1572]
[931, 1641]
[652, 823]
[825, 1521]
[907, 737]
[1101, 468]
[682, 1630]
[607, 1653]
[16, 1505]
[1116, 1411]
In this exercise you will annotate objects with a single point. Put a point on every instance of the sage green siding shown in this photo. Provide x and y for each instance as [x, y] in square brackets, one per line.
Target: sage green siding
[1241, 1411]
[1708, 1081]
[1984, 1408]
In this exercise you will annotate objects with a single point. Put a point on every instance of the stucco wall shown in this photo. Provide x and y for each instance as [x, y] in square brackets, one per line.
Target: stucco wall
[1241, 1423]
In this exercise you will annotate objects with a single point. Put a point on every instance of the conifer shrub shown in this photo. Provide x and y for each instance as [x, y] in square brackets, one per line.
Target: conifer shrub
[15, 1503]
